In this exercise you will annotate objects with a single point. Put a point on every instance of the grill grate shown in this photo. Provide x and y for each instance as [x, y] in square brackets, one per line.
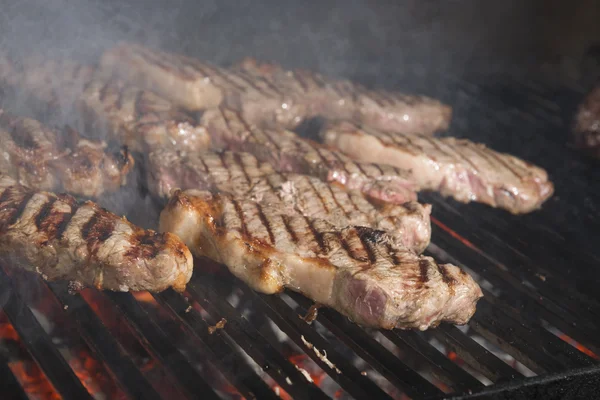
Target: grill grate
[538, 273]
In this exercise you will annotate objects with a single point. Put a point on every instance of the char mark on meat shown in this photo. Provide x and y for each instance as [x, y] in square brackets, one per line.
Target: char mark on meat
[61, 239]
[244, 177]
[48, 159]
[270, 96]
[361, 272]
[136, 118]
[288, 152]
[459, 168]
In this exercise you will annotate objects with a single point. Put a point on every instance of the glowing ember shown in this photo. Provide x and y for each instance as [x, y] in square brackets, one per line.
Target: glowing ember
[94, 377]
[308, 368]
[144, 297]
[455, 358]
[578, 346]
[455, 235]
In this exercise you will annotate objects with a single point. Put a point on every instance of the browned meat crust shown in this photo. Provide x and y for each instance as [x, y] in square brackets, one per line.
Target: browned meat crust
[361, 272]
[459, 168]
[244, 177]
[61, 239]
[46, 159]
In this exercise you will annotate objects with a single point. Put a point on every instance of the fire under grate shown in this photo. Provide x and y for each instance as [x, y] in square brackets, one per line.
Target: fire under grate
[537, 330]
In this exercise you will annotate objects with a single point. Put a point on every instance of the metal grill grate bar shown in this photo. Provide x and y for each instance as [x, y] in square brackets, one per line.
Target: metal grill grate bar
[9, 385]
[226, 357]
[161, 346]
[251, 341]
[103, 345]
[39, 344]
[386, 363]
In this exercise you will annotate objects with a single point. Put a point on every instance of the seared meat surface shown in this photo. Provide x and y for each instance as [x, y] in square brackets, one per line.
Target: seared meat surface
[268, 95]
[361, 272]
[587, 124]
[459, 168]
[46, 159]
[61, 239]
[137, 118]
[244, 177]
[340, 99]
[288, 152]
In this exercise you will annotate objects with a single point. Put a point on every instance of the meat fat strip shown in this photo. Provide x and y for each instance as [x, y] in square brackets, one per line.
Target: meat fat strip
[358, 271]
[61, 239]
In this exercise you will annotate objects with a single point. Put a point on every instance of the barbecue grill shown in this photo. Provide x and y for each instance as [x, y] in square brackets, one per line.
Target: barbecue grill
[536, 333]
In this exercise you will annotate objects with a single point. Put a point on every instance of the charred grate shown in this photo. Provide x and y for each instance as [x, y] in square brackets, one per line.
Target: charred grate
[537, 329]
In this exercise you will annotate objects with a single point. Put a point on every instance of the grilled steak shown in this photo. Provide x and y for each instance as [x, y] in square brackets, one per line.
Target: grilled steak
[268, 95]
[340, 99]
[244, 177]
[46, 159]
[59, 238]
[137, 118]
[587, 124]
[361, 272]
[459, 168]
[288, 152]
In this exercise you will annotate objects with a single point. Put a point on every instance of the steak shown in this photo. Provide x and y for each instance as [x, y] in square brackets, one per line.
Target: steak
[361, 272]
[137, 118]
[244, 177]
[269, 96]
[288, 152]
[47, 159]
[459, 168]
[61, 239]
[342, 99]
[587, 124]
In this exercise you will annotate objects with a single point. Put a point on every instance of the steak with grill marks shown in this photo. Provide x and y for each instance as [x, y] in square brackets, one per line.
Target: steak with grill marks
[587, 124]
[137, 118]
[288, 152]
[47, 159]
[459, 168]
[342, 99]
[361, 272]
[244, 177]
[268, 95]
[61, 239]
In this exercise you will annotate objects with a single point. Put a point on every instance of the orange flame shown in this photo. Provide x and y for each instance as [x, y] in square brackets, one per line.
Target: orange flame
[578, 346]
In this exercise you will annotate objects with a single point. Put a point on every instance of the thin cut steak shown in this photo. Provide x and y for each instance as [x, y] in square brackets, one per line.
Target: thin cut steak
[47, 159]
[361, 272]
[288, 152]
[137, 118]
[61, 239]
[244, 177]
[459, 168]
[342, 99]
[587, 124]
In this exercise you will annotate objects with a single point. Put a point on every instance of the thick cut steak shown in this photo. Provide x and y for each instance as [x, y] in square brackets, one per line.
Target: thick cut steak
[61, 239]
[361, 272]
[459, 168]
[244, 177]
[43, 158]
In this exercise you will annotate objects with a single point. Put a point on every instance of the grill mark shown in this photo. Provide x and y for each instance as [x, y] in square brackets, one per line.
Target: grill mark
[455, 150]
[265, 222]
[16, 212]
[392, 253]
[6, 194]
[423, 268]
[317, 235]
[338, 205]
[337, 156]
[119, 101]
[246, 77]
[136, 104]
[289, 229]
[315, 191]
[225, 165]
[44, 212]
[145, 244]
[300, 81]
[238, 159]
[354, 205]
[364, 234]
[499, 159]
[248, 81]
[97, 230]
[448, 280]
[347, 247]
[217, 72]
[240, 214]
[372, 95]
[61, 225]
